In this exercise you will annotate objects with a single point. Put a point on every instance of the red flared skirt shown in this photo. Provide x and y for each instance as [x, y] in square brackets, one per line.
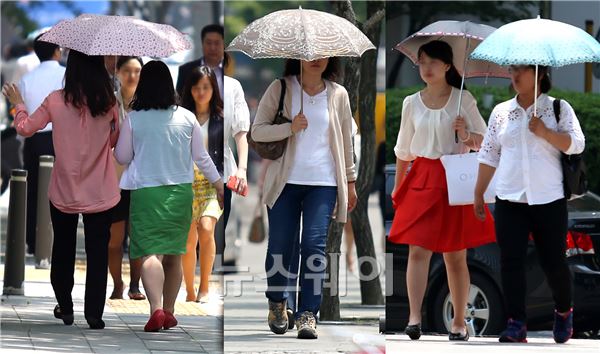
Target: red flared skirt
[424, 218]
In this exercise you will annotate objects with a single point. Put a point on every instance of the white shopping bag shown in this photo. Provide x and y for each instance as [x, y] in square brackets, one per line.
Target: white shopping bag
[461, 176]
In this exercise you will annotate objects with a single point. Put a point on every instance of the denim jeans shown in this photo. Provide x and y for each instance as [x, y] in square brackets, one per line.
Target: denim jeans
[287, 253]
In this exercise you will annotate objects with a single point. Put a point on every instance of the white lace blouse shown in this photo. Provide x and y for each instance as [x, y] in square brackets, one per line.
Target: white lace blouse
[528, 167]
[426, 132]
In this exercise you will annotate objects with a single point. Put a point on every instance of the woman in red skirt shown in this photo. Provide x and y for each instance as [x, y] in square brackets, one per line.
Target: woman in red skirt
[423, 219]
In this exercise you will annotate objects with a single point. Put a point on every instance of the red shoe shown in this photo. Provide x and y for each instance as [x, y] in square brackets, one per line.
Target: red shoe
[155, 322]
[170, 320]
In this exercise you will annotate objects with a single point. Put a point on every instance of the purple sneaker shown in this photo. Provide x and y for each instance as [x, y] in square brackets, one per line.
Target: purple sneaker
[563, 326]
[515, 332]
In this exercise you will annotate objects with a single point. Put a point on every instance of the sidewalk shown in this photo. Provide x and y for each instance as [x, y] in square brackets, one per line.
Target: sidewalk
[538, 342]
[27, 322]
[245, 313]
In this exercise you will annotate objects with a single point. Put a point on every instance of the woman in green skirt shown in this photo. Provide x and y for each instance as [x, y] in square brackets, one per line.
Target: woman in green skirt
[159, 142]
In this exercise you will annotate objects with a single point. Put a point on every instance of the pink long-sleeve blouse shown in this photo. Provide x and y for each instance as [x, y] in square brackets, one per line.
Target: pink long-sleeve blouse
[83, 178]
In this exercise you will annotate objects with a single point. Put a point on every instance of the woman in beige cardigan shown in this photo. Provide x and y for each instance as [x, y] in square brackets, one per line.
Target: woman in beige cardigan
[315, 173]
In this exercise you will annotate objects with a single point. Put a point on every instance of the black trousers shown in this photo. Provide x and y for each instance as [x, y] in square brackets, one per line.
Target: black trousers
[220, 239]
[97, 235]
[37, 145]
[548, 225]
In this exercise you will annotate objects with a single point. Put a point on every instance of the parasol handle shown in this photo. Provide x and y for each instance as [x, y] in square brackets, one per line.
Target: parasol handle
[301, 90]
[535, 93]
[462, 85]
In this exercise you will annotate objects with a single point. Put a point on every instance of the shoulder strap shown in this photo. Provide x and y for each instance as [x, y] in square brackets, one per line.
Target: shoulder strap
[556, 106]
[282, 96]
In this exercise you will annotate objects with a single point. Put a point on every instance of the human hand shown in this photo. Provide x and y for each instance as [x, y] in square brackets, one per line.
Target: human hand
[537, 127]
[11, 91]
[460, 126]
[299, 123]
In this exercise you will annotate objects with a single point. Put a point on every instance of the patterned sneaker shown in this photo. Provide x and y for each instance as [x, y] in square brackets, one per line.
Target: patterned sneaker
[278, 319]
[516, 331]
[563, 326]
[307, 326]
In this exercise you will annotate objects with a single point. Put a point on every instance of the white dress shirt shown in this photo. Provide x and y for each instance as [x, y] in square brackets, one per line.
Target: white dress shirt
[428, 133]
[218, 73]
[24, 65]
[313, 161]
[528, 167]
[237, 119]
[39, 83]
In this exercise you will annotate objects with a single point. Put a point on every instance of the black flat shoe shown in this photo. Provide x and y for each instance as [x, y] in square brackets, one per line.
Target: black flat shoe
[413, 331]
[66, 318]
[95, 323]
[459, 336]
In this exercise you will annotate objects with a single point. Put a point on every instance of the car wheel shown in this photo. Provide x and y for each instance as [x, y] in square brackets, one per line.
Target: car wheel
[484, 313]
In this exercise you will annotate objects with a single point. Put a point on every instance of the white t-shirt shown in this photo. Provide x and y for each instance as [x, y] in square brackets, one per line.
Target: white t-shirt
[313, 161]
[204, 130]
[426, 132]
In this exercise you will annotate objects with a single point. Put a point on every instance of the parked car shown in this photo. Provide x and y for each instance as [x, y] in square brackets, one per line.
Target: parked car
[485, 312]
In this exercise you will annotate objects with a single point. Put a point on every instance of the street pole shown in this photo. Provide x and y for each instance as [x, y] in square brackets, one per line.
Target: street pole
[14, 269]
[43, 234]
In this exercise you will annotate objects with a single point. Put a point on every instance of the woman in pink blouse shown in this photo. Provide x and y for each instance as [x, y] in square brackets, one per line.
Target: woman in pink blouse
[85, 128]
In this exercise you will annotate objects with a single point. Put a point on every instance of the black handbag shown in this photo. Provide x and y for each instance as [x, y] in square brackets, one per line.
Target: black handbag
[574, 181]
[272, 150]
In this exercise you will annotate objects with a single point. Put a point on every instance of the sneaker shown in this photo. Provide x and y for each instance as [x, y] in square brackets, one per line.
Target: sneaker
[413, 331]
[278, 319]
[515, 332]
[563, 326]
[307, 326]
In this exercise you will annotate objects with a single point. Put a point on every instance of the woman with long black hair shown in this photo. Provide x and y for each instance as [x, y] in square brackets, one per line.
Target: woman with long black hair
[423, 219]
[201, 97]
[85, 125]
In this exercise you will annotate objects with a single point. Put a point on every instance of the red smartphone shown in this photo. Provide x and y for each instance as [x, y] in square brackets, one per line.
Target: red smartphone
[232, 182]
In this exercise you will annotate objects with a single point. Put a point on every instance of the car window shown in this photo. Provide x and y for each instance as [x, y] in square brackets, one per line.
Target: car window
[589, 202]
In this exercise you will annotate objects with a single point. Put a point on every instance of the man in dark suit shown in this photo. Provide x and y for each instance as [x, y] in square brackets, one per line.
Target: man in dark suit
[213, 48]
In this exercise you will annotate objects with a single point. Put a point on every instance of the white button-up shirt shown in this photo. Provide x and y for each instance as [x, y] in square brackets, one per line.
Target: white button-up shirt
[237, 119]
[39, 83]
[528, 167]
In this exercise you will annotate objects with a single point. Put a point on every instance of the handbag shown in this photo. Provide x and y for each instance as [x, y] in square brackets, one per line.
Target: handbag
[272, 150]
[574, 171]
[461, 177]
[258, 230]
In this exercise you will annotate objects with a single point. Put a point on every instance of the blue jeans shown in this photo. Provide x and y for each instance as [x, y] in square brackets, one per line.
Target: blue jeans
[287, 253]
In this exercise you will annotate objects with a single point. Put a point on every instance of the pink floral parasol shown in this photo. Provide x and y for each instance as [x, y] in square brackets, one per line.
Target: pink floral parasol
[117, 35]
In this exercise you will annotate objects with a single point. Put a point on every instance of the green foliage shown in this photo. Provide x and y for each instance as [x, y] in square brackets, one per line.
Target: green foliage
[586, 106]
[18, 17]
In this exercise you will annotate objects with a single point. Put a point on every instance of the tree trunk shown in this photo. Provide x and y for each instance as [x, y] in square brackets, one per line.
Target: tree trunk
[330, 304]
[370, 286]
[353, 82]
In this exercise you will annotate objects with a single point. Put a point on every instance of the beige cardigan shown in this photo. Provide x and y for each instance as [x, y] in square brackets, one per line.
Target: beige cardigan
[340, 137]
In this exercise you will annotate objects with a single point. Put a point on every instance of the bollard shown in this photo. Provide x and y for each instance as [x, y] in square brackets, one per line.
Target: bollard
[14, 268]
[43, 231]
